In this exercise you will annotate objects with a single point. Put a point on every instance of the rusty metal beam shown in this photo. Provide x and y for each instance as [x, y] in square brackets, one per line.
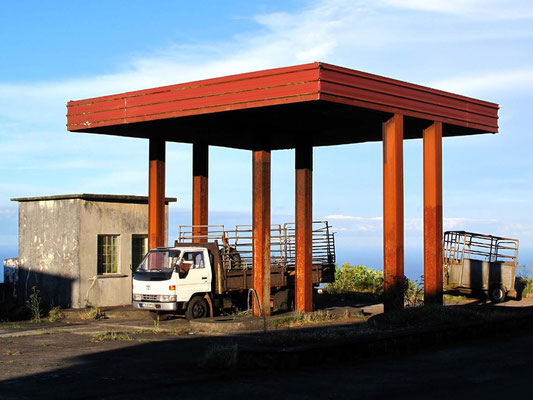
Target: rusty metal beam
[200, 187]
[156, 194]
[261, 229]
[304, 228]
[433, 214]
[393, 244]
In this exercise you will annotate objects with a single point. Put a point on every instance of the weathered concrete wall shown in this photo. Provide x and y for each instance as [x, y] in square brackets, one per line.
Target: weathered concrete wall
[58, 249]
[108, 218]
[49, 250]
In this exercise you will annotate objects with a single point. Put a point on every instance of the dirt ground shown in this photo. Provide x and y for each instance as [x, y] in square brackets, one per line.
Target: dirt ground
[128, 358]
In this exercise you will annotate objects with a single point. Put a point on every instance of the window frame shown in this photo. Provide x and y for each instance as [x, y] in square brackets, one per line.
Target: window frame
[102, 262]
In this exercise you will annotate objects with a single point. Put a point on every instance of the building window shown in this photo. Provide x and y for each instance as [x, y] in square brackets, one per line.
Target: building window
[107, 254]
[139, 248]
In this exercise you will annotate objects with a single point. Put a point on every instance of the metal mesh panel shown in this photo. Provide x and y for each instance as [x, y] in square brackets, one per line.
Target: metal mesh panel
[459, 245]
[236, 244]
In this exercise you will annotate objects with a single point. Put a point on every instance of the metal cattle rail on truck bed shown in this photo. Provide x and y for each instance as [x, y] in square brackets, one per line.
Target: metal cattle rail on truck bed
[235, 250]
[474, 261]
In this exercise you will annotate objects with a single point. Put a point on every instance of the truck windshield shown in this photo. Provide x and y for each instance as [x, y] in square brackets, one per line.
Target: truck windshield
[159, 261]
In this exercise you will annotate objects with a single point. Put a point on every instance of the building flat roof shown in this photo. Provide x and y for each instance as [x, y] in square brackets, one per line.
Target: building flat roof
[319, 103]
[109, 198]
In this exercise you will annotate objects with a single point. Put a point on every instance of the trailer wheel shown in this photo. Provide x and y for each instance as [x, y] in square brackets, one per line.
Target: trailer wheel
[497, 294]
[197, 308]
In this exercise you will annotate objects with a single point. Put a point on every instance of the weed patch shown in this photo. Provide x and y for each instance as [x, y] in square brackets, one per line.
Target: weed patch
[55, 314]
[111, 336]
[10, 325]
[92, 313]
[299, 319]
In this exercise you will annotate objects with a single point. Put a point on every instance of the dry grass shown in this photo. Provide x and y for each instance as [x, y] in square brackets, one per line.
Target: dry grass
[92, 313]
[319, 317]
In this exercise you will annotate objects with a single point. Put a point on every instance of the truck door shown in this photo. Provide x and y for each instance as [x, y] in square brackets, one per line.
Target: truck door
[194, 274]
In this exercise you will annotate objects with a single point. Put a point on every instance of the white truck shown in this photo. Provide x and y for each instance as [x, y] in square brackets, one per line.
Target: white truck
[198, 279]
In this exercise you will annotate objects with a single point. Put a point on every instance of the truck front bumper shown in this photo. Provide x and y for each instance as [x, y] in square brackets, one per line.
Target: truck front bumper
[155, 305]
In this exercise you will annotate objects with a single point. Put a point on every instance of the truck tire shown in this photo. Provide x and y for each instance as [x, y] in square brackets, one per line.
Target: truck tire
[197, 308]
[497, 294]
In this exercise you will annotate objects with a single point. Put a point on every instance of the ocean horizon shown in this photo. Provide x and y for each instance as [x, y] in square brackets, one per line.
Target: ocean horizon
[371, 257]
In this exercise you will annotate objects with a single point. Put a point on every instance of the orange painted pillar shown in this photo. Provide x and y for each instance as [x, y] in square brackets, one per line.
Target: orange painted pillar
[393, 249]
[156, 194]
[304, 228]
[200, 187]
[433, 214]
[261, 229]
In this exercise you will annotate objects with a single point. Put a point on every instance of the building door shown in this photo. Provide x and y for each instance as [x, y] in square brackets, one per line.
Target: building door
[139, 248]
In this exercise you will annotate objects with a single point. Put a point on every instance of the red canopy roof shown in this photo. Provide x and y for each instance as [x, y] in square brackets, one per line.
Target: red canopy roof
[273, 108]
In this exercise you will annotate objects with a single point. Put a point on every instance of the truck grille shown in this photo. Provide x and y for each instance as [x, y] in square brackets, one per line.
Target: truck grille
[149, 297]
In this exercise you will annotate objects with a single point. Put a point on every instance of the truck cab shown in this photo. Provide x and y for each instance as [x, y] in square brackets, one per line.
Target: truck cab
[169, 278]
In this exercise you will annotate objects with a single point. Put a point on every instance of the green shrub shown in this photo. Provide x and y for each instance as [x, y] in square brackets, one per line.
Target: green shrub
[524, 281]
[413, 292]
[34, 305]
[357, 278]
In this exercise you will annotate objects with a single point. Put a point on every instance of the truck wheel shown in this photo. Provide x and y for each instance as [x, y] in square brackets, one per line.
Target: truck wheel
[497, 294]
[197, 308]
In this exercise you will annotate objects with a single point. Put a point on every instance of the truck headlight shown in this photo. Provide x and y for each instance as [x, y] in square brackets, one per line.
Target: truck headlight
[137, 297]
[167, 298]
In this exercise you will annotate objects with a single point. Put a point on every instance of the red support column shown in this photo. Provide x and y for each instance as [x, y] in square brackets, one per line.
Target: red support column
[261, 229]
[433, 214]
[304, 228]
[200, 187]
[156, 194]
[393, 254]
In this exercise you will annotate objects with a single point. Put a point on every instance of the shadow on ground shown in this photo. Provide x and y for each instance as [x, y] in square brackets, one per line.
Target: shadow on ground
[138, 370]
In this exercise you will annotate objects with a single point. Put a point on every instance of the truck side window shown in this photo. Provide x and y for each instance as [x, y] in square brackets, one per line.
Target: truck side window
[186, 264]
[198, 260]
[191, 260]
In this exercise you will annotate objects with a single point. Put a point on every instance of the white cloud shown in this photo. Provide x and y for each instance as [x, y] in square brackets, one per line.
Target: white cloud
[515, 80]
[474, 9]
[351, 217]
[412, 226]
[325, 29]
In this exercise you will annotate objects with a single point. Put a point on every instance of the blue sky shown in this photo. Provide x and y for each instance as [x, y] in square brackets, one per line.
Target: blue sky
[53, 52]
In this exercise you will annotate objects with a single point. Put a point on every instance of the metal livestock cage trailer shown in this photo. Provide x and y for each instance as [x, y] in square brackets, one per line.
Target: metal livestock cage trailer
[475, 262]
[235, 252]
